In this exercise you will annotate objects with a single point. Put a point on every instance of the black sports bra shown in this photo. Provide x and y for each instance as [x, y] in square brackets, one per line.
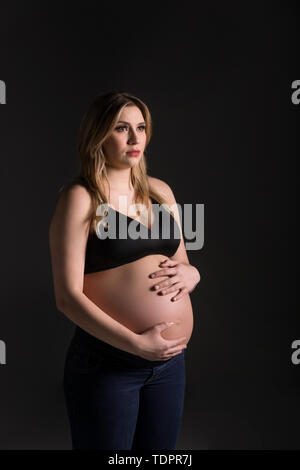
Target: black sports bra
[106, 253]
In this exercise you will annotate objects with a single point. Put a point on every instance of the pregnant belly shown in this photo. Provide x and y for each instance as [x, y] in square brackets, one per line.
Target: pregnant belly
[126, 294]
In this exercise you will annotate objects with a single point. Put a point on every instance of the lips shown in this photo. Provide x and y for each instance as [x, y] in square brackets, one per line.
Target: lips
[133, 152]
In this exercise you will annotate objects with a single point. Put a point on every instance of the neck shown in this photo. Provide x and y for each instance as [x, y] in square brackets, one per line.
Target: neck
[119, 180]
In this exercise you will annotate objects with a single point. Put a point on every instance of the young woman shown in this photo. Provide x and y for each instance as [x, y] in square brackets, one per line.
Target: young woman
[124, 375]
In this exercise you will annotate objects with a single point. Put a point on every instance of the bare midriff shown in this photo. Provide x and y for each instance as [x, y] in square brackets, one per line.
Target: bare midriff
[126, 294]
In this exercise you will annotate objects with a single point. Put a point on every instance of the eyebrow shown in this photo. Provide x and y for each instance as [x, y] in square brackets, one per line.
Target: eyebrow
[129, 122]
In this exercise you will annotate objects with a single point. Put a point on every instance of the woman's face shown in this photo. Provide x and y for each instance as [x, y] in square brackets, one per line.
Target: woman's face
[126, 136]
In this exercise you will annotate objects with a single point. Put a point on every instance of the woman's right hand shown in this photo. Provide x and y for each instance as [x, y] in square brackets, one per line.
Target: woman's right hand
[152, 346]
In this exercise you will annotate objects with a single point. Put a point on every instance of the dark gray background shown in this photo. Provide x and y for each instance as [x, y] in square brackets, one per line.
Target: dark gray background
[218, 85]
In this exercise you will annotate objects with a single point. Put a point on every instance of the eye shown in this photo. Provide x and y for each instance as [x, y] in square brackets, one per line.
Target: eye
[125, 127]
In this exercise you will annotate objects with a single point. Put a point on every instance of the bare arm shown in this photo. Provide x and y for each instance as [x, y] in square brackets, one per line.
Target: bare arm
[68, 234]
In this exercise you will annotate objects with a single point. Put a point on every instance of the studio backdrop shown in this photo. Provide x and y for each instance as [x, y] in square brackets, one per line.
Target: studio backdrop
[222, 86]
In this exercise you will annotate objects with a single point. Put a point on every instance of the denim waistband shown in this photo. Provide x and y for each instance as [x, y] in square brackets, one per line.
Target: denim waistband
[83, 339]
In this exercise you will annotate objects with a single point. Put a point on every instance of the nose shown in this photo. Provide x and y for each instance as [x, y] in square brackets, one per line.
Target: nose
[132, 137]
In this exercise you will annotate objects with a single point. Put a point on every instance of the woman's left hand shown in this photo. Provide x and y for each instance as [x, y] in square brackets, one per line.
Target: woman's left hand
[183, 278]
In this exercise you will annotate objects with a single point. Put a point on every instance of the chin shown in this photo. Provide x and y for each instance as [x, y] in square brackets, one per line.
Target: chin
[133, 162]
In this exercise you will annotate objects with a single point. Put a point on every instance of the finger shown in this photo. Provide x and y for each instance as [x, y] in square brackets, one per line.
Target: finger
[165, 261]
[175, 350]
[168, 290]
[162, 272]
[166, 287]
[168, 356]
[181, 294]
[164, 325]
[176, 342]
[171, 281]
[168, 262]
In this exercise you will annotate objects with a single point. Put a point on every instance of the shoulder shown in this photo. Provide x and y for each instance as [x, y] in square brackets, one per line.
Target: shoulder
[76, 192]
[162, 188]
[75, 199]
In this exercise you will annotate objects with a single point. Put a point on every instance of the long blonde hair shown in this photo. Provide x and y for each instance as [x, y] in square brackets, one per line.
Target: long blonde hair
[96, 125]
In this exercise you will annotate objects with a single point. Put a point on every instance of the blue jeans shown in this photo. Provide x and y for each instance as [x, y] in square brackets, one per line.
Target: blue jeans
[119, 401]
